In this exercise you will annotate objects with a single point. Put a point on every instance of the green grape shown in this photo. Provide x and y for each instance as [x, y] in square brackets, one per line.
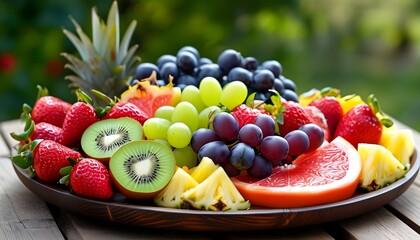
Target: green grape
[156, 128]
[204, 116]
[163, 142]
[210, 91]
[233, 94]
[186, 113]
[164, 112]
[179, 135]
[192, 94]
[185, 157]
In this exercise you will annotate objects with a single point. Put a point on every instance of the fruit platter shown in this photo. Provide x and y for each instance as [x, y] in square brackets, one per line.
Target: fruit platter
[189, 143]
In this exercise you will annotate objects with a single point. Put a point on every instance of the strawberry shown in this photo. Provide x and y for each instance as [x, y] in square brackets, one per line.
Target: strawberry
[48, 108]
[293, 117]
[244, 114]
[47, 158]
[331, 108]
[90, 178]
[126, 109]
[79, 117]
[360, 125]
[47, 131]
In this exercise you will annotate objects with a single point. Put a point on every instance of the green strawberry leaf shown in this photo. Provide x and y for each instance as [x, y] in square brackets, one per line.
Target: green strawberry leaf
[65, 180]
[250, 100]
[374, 104]
[23, 160]
[42, 91]
[65, 170]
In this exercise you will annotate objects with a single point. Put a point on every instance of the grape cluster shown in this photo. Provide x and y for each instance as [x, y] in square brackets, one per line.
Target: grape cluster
[188, 68]
[255, 147]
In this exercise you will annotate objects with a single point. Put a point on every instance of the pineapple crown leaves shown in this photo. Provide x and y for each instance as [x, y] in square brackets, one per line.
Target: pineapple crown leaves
[373, 102]
[105, 63]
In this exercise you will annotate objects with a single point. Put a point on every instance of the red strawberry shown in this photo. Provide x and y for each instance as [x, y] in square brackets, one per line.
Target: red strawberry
[293, 117]
[331, 109]
[244, 114]
[126, 109]
[79, 117]
[360, 125]
[51, 110]
[90, 178]
[47, 158]
[47, 131]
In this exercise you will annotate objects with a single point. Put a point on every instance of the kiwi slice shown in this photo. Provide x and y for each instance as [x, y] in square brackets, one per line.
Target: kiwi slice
[141, 169]
[101, 139]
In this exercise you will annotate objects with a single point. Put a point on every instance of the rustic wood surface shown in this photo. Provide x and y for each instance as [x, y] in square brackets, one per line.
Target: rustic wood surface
[23, 215]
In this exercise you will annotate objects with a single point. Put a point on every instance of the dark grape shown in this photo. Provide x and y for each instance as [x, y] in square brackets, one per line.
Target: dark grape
[164, 59]
[229, 59]
[278, 85]
[216, 151]
[262, 80]
[242, 156]
[144, 70]
[204, 61]
[186, 79]
[169, 68]
[209, 70]
[250, 134]
[288, 83]
[202, 136]
[298, 142]
[250, 63]
[266, 123]
[274, 66]
[263, 96]
[186, 61]
[290, 95]
[240, 74]
[225, 126]
[190, 49]
[261, 168]
[315, 134]
[230, 170]
[274, 148]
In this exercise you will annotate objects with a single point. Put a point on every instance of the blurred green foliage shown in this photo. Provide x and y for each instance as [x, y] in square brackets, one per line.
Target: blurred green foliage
[358, 46]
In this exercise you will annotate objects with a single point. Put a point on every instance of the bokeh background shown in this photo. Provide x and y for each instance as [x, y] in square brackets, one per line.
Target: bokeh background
[358, 46]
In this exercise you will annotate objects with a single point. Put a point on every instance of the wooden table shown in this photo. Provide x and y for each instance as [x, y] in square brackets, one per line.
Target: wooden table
[23, 215]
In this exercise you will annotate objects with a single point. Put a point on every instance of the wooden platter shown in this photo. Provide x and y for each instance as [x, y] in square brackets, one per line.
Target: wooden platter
[144, 214]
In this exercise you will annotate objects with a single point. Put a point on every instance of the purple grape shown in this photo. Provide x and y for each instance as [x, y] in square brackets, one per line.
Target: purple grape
[240, 74]
[261, 168]
[164, 59]
[216, 151]
[230, 170]
[229, 59]
[225, 126]
[315, 134]
[250, 134]
[288, 84]
[266, 124]
[274, 66]
[250, 63]
[274, 148]
[278, 85]
[298, 142]
[262, 80]
[242, 156]
[144, 70]
[169, 68]
[202, 136]
[186, 61]
[209, 70]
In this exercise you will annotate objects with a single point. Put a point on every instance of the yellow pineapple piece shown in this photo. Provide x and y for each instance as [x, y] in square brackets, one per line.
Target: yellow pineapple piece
[203, 169]
[400, 142]
[216, 193]
[307, 97]
[170, 196]
[379, 167]
[349, 101]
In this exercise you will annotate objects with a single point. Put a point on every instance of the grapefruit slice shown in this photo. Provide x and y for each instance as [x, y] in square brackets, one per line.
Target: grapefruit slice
[149, 97]
[329, 174]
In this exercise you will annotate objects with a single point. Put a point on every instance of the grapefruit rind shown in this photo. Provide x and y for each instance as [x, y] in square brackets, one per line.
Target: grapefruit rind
[308, 193]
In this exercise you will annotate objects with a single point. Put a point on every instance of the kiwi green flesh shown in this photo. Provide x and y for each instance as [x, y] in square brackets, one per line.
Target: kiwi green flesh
[142, 167]
[103, 138]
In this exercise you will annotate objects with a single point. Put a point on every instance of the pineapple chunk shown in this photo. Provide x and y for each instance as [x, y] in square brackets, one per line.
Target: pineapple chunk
[379, 167]
[401, 144]
[349, 101]
[217, 193]
[170, 196]
[203, 170]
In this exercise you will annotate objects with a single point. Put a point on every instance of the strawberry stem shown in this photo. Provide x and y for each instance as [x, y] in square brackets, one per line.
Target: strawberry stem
[374, 103]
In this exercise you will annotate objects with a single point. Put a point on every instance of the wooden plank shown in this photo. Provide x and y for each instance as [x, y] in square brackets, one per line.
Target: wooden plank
[22, 214]
[387, 226]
